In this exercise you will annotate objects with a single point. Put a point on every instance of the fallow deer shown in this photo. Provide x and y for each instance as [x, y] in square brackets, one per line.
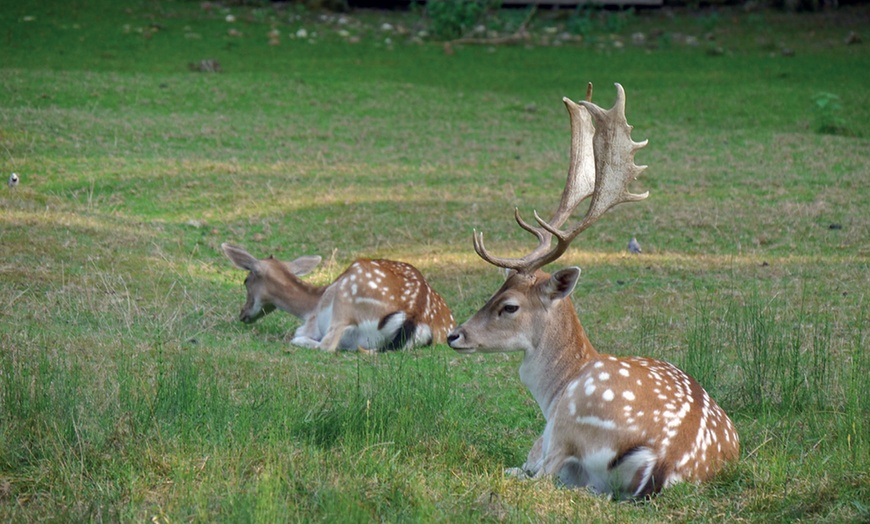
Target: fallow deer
[625, 426]
[373, 305]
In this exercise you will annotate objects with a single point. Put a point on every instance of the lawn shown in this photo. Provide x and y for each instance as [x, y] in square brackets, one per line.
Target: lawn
[129, 391]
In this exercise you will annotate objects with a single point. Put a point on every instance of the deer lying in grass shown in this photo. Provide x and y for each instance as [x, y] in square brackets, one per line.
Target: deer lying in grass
[626, 426]
[373, 305]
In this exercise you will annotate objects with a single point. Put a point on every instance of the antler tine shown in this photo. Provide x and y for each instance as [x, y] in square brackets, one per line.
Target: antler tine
[543, 235]
[507, 263]
[531, 229]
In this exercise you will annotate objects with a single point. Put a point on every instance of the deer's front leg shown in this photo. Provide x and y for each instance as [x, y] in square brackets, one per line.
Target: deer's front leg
[559, 464]
[550, 457]
[306, 335]
[333, 335]
[305, 342]
[535, 460]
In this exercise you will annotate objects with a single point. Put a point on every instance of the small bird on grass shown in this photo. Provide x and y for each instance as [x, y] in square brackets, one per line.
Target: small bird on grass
[13, 180]
[633, 246]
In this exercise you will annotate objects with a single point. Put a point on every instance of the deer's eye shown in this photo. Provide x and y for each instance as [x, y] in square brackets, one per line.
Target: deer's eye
[510, 309]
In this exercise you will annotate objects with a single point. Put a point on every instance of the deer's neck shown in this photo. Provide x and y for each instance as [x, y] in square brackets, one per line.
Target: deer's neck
[560, 351]
[297, 297]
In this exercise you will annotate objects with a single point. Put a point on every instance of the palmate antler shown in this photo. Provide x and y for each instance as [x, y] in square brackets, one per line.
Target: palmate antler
[602, 166]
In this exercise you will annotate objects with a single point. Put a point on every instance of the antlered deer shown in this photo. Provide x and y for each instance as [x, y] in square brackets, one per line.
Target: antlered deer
[374, 304]
[626, 426]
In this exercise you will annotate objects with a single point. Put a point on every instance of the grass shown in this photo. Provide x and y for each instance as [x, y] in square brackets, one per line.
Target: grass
[129, 392]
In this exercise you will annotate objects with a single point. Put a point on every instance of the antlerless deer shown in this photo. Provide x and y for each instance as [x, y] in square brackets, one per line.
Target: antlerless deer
[373, 305]
[626, 426]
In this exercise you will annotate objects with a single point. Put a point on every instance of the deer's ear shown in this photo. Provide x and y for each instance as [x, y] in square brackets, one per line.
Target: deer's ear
[303, 265]
[239, 257]
[560, 284]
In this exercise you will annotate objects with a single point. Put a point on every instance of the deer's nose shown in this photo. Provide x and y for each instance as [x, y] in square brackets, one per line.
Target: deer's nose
[453, 337]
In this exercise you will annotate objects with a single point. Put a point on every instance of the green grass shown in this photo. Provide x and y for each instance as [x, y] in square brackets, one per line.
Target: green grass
[129, 391]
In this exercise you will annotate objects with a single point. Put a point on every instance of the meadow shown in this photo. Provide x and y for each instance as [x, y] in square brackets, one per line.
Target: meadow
[130, 392]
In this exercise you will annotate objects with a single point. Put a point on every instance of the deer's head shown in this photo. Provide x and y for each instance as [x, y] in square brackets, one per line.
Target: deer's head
[269, 282]
[533, 307]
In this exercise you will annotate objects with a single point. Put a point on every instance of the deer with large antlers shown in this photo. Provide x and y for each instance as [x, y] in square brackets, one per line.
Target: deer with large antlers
[373, 305]
[625, 426]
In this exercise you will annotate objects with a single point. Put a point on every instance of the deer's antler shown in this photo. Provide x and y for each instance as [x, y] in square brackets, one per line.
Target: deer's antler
[602, 165]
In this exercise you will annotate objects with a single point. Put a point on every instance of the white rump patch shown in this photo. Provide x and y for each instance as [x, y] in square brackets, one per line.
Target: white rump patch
[422, 335]
[622, 476]
[590, 471]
